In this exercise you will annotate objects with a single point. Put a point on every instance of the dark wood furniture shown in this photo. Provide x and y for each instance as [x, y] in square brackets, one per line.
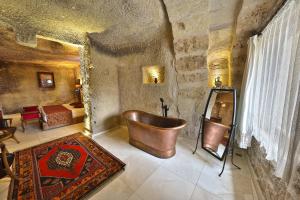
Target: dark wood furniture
[6, 130]
[6, 161]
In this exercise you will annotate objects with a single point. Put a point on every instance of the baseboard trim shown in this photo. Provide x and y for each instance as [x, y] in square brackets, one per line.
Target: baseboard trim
[102, 132]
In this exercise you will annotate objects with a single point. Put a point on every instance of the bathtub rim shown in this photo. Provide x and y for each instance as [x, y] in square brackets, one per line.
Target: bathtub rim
[184, 122]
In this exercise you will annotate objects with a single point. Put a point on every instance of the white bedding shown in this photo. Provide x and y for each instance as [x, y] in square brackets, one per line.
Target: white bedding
[76, 112]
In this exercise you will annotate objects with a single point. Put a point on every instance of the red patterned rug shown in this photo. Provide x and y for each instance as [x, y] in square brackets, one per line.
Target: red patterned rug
[66, 168]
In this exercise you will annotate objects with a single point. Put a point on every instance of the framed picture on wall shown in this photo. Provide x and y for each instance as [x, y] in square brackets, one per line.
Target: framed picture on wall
[46, 79]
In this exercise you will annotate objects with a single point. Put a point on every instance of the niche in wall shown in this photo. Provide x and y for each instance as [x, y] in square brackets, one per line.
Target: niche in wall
[153, 74]
[219, 65]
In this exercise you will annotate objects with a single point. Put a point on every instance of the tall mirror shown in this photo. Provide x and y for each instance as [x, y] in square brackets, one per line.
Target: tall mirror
[218, 122]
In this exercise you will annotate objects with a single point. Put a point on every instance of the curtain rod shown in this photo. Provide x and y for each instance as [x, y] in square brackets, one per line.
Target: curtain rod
[259, 32]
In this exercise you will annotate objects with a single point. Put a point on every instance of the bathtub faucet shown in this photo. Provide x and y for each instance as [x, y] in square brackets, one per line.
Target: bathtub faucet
[164, 108]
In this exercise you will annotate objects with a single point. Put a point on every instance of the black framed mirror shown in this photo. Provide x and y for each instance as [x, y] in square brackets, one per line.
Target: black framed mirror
[218, 120]
[218, 123]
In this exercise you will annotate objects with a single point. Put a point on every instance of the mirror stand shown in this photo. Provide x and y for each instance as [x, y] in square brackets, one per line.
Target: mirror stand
[212, 127]
[231, 141]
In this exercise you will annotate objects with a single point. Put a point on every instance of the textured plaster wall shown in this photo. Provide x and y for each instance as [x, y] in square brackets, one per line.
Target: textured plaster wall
[23, 89]
[104, 92]
[136, 95]
[116, 85]
[116, 76]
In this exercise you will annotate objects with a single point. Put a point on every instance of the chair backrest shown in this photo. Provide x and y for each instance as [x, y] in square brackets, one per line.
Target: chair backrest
[30, 115]
[31, 109]
[3, 123]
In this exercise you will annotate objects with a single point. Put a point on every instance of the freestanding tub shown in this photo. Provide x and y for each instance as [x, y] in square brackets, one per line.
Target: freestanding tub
[154, 134]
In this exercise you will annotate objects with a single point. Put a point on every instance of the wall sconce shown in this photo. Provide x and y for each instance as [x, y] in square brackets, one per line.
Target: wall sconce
[153, 74]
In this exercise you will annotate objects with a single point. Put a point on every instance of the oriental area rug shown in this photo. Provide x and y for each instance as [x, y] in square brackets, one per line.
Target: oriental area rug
[66, 168]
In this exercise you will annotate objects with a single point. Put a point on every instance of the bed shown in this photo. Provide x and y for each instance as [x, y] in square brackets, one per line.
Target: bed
[55, 116]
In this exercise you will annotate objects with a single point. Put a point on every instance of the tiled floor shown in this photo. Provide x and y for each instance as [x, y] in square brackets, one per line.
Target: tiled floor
[183, 177]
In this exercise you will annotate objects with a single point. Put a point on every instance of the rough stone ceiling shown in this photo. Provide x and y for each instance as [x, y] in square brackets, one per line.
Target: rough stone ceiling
[47, 52]
[69, 20]
[254, 15]
[124, 25]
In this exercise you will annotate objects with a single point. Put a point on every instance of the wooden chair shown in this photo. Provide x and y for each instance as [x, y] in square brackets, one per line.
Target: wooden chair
[31, 113]
[6, 161]
[6, 130]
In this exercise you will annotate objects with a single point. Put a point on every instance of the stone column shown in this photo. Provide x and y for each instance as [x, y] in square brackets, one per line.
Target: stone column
[85, 66]
[189, 22]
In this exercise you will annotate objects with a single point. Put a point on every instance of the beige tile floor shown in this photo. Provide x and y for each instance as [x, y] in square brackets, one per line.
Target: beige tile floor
[184, 176]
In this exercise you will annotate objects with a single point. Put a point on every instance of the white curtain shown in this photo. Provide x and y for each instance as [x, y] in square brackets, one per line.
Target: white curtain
[270, 87]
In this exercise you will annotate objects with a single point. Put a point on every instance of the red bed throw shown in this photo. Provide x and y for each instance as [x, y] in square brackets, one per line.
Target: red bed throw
[57, 115]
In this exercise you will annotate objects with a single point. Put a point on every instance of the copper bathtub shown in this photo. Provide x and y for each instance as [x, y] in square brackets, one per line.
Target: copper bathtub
[153, 134]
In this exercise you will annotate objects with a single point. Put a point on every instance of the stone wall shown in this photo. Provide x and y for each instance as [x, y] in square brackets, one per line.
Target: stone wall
[116, 74]
[272, 187]
[116, 85]
[189, 22]
[136, 95]
[104, 90]
[294, 179]
[85, 67]
[116, 78]
[253, 16]
[23, 88]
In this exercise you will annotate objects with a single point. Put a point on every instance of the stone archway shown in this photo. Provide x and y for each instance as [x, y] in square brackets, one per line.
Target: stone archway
[24, 39]
[84, 47]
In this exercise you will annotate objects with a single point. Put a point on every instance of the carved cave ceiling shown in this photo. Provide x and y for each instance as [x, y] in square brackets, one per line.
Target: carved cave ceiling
[113, 24]
[69, 20]
[47, 52]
